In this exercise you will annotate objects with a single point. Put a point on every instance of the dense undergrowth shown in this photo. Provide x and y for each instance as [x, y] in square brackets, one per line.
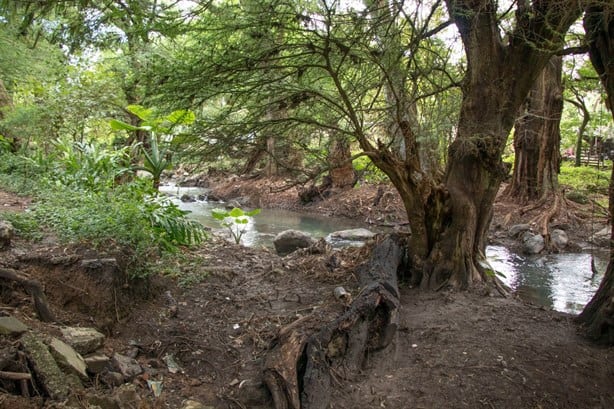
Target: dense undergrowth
[87, 193]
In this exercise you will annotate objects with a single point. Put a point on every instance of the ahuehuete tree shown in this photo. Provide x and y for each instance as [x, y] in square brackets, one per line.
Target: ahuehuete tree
[537, 138]
[369, 72]
[598, 315]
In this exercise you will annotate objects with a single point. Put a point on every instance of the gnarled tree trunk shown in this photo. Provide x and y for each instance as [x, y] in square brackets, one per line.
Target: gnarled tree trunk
[298, 369]
[598, 316]
[499, 77]
[537, 138]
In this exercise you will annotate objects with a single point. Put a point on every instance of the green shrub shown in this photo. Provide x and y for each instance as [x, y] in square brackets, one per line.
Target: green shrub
[91, 208]
[25, 224]
[585, 178]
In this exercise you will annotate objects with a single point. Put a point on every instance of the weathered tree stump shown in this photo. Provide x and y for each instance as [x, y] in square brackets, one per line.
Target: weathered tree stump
[298, 369]
[33, 288]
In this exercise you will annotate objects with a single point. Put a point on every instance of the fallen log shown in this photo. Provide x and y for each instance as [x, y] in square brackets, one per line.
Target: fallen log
[34, 288]
[298, 368]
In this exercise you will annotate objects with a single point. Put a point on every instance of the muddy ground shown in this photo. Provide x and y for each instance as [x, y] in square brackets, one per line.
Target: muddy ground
[453, 350]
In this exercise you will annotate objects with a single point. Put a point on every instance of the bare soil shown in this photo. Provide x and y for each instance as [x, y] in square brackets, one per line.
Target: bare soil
[453, 350]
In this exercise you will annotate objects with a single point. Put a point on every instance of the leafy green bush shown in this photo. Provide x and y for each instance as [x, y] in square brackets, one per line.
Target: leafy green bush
[25, 224]
[89, 165]
[80, 208]
[586, 178]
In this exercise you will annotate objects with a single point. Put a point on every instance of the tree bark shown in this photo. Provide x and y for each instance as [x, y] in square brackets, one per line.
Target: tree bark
[298, 370]
[499, 77]
[598, 315]
[341, 169]
[537, 138]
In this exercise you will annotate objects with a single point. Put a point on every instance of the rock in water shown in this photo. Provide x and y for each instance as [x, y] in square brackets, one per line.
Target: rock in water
[290, 240]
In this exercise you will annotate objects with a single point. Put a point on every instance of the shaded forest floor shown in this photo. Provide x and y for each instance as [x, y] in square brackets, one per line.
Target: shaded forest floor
[453, 350]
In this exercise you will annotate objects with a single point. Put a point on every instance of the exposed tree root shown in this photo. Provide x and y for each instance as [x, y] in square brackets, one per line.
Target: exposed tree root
[34, 288]
[300, 368]
[555, 209]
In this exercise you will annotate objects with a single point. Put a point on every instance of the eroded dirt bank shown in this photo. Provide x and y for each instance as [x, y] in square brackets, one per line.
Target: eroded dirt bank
[453, 350]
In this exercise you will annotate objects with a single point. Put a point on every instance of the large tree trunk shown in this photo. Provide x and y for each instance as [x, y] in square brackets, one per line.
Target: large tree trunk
[342, 173]
[598, 316]
[498, 80]
[537, 138]
[449, 220]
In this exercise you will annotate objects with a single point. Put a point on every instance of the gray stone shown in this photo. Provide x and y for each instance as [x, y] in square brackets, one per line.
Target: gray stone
[532, 243]
[516, 229]
[353, 234]
[127, 366]
[68, 358]
[112, 378]
[192, 404]
[127, 396]
[559, 238]
[12, 326]
[54, 381]
[186, 198]
[97, 363]
[6, 234]
[290, 240]
[83, 340]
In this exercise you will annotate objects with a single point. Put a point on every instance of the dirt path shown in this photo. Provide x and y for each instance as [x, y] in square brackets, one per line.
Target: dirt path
[453, 350]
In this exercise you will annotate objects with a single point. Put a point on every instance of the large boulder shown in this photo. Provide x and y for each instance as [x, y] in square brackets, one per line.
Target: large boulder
[559, 238]
[517, 229]
[360, 234]
[290, 240]
[532, 243]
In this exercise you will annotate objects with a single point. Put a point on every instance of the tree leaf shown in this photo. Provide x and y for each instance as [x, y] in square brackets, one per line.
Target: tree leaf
[236, 212]
[143, 113]
[122, 126]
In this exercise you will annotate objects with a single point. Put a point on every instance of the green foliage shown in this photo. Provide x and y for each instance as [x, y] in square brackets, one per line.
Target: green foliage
[586, 179]
[25, 224]
[367, 171]
[156, 158]
[5, 144]
[235, 220]
[89, 165]
[128, 216]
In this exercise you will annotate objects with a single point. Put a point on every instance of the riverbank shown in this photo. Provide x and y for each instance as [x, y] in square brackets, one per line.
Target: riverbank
[219, 307]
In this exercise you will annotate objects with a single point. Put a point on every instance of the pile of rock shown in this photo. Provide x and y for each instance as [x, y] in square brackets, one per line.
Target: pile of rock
[60, 366]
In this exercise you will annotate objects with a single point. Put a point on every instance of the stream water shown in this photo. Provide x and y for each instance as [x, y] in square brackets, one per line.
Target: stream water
[563, 282]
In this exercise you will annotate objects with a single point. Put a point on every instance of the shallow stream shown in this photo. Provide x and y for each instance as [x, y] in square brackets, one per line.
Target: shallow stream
[563, 282]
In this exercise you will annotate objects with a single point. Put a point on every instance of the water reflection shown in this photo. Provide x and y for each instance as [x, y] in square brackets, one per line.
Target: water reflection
[563, 282]
[262, 229]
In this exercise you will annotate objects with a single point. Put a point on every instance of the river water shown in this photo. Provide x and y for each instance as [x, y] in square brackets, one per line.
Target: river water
[563, 282]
